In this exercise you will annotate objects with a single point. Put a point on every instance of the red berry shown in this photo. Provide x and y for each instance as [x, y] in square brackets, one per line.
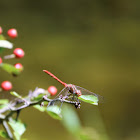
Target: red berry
[18, 52]
[0, 30]
[12, 33]
[19, 66]
[0, 60]
[52, 90]
[6, 85]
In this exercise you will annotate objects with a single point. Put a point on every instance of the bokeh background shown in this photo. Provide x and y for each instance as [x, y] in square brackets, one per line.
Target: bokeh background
[90, 43]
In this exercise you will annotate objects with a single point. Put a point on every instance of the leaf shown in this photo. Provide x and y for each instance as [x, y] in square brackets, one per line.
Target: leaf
[40, 108]
[89, 133]
[17, 135]
[89, 99]
[2, 37]
[54, 112]
[1, 50]
[16, 94]
[10, 69]
[6, 44]
[3, 134]
[39, 97]
[3, 101]
[3, 104]
[2, 116]
[71, 120]
[18, 127]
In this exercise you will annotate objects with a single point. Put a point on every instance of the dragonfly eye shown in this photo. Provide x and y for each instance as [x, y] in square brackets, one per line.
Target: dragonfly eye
[79, 93]
[71, 90]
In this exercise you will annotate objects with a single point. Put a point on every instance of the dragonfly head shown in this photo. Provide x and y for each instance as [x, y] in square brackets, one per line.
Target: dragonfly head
[78, 93]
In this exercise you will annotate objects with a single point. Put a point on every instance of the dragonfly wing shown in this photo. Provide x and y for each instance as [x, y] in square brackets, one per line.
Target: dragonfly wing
[55, 101]
[63, 92]
[87, 92]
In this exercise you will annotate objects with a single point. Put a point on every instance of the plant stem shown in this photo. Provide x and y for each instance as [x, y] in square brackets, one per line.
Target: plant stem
[30, 103]
[7, 129]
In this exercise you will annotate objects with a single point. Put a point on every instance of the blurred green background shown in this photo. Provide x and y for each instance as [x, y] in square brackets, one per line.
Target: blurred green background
[90, 43]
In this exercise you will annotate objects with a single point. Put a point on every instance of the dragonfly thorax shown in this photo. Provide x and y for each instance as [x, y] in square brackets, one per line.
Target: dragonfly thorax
[72, 89]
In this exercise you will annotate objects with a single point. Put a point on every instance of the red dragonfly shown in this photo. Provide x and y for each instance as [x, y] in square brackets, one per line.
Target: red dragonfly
[70, 89]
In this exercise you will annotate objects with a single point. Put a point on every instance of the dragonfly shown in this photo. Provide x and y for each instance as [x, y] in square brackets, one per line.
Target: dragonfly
[70, 91]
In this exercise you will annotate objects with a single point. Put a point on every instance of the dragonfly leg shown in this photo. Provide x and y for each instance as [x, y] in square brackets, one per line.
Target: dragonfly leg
[73, 97]
[51, 103]
[77, 104]
[66, 96]
[18, 112]
[60, 106]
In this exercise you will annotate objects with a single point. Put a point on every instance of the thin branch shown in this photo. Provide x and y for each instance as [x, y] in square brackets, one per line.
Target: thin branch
[7, 129]
[39, 102]
[11, 107]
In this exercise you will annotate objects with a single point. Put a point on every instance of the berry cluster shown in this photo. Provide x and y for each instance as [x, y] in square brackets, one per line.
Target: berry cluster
[17, 53]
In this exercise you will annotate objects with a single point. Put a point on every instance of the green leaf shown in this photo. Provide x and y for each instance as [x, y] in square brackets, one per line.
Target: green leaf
[17, 135]
[6, 44]
[40, 108]
[10, 69]
[71, 120]
[1, 50]
[89, 133]
[89, 99]
[2, 37]
[2, 116]
[3, 134]
[54, 112]
[16, 94]
[18, 127]
[3, 104]
[3, 101]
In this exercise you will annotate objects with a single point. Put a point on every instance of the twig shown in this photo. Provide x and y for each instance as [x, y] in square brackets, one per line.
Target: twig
[39, 102]
[11, 107]
[7, 129]
[27, 102]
